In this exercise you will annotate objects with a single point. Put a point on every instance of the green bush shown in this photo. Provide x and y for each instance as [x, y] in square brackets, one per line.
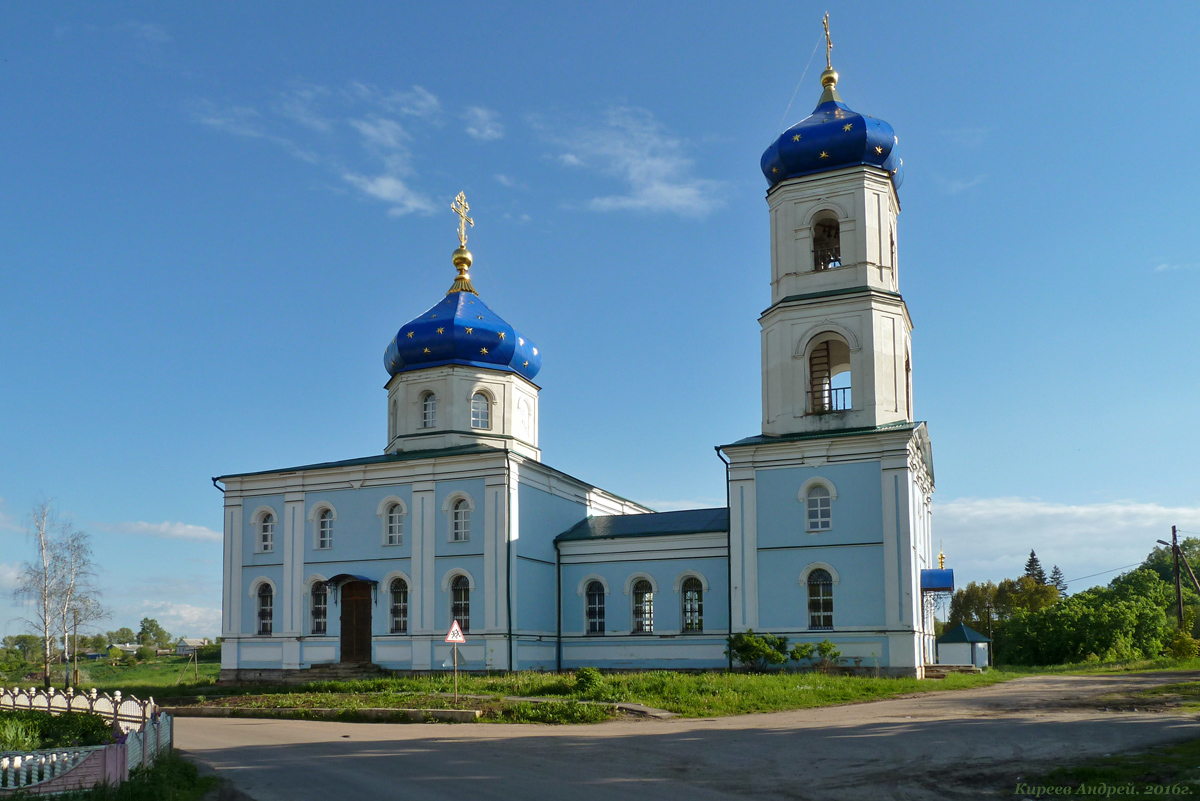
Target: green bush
[554, 712]
[757, 651]
[57, 731]
[18, 735]
[209, 653]
[803, 651]
[145, 653]
[115, 653]
[1182, 645]
[828, 656]
[588, 679]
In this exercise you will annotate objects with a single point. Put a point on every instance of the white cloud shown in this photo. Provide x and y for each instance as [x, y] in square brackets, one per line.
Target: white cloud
[631, 145]
[990, 538]
[969, 138]
[248, 122]
[146, 31]
[391, 189]
[7, 521]
[504, 180]
[483, 124]
[168, 530]
[182, 620]
[382, 133]
[958, 186]
[8, 577]
[1167, 267]
[300, 105]
[417, 103]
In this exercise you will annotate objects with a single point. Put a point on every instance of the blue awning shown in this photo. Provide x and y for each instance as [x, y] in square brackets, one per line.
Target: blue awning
[937, 581]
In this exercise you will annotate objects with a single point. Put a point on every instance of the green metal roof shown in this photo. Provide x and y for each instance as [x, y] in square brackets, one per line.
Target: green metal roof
[763, 439]
[402, 456]
[961, 633]
[651, 524]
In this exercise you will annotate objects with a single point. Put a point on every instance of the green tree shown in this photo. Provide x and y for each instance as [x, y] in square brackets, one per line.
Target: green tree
[757, 651]
[969, 605]
[152, 634]
[1024, 594]
[123, 635]
[28, 645]
[1033, 568]
[1058, 580]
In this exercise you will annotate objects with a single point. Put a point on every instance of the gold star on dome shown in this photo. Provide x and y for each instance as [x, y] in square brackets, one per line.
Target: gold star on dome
[479, 316]
[879, 150]
[441, 330]
[502, 335]
[432, 316]
[483, 350]
[774, 169]
[796, 138]
[410, 333]
[427, 350]
[470, 330]
[824, 155]
[847, 126]
[526, 364]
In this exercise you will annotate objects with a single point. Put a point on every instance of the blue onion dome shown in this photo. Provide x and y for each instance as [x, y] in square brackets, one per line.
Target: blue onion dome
[461, 329]
[830, 138]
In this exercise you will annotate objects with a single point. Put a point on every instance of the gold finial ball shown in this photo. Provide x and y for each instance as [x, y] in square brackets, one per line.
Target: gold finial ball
[829, 78]
[462, 258]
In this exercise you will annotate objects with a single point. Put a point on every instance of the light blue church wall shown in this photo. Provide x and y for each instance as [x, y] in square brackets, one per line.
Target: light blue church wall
[250, 575]
[442, 546]
[442, 613]
[857, 513]
[542, 518]
[533, 610]
[250, 535]
[358, 529]
[857, 597]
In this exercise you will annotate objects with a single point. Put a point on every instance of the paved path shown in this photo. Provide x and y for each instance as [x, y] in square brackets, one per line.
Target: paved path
[951, 745]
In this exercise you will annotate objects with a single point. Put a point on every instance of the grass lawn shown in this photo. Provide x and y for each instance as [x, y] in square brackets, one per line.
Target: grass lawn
[1166, 772]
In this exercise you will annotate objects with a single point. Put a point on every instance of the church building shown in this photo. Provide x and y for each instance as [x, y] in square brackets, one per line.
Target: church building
[827, 532]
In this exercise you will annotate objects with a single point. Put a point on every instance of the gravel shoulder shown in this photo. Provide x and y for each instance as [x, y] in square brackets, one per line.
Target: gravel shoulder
[952, 745]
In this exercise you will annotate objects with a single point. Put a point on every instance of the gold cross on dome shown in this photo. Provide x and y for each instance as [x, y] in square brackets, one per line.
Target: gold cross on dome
[828, 44]
[460, 207]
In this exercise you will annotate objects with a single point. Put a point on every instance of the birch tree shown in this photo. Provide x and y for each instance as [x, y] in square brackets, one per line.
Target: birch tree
[39, 578]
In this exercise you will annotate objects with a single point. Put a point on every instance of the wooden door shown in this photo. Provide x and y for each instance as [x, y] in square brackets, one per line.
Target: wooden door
[356, 622]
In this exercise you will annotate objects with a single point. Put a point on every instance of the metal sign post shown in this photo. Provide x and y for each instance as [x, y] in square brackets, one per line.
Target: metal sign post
[454, 637]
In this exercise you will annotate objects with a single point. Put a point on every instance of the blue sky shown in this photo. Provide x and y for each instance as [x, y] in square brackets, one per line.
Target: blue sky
[215, 218]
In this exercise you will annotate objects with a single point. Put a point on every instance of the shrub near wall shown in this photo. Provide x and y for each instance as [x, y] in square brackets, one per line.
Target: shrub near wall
[52, 731]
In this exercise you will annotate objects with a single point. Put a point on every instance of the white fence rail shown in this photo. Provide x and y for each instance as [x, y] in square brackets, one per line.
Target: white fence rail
[26, 768]
[128, 713]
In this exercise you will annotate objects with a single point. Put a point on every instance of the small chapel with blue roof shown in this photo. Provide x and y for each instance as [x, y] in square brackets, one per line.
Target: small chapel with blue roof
[827, 533]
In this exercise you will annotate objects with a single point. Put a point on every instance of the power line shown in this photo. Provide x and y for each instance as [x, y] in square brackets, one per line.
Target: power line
[1103, 572]
[797, 89]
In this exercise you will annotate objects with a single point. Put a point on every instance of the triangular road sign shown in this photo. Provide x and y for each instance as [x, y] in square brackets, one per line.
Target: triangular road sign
[455, 634]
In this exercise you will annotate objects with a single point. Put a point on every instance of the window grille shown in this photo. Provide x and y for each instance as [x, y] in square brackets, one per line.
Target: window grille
[266, 609]
[395, 525]
[693, 604]
[595, 607]
[480, 411]
[820, 599]
[320, 607]
[399, 609]
[643, 607]
[461, 589]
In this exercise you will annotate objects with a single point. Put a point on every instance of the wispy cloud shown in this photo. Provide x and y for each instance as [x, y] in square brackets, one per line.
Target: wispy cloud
[352, 132]
[168, 530]
[483, 124]
[969, 138]
[1167, 267]
[990, 538]
[7, 521]
[8, 577]
[630, 145]
[150, 32]
[180, 619]
[957, 186]
[504, 180]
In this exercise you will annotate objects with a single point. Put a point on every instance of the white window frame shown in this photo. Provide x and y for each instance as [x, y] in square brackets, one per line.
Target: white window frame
[581, 591]
[805, 489]
[481, 419]
[259, 516]
[428, 409]
[448, 506]
[382, 512]
[255, 587]
[312, 609]
[448, 587]
[630, 583]
[392, 618]
[315, 515]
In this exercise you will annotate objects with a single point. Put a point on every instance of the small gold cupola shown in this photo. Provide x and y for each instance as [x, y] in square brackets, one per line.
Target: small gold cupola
[462, 257]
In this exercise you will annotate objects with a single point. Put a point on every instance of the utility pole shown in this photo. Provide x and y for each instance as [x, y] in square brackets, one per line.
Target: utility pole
[991, 645]
[1178, 586]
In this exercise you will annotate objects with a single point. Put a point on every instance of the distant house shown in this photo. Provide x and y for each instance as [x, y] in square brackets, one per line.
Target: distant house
[963, 645]
[125, 647]
[187, 647]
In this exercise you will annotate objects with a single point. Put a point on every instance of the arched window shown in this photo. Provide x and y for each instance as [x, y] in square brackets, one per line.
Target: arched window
[461, 605]
[829, 377]
[395, 524]
[320, 607]
[325, 530]
[827, 244]
[643, 607]
[595, 607]
[461, 521]
[428, 410]
[266, 609]
[480, 411]
[399, 591]
[820, 599]
[818, 508]
[266, 533]
[693, 604]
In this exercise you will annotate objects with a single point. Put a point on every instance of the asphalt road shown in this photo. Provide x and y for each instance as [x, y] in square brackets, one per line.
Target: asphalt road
[946, 745]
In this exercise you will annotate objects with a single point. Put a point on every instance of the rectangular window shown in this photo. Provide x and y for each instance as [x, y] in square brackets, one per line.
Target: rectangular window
[820, 605]
[693, 605]
[267, 534]
[395, 526]
[595, 608]
[643, 608]
[320, 607]
[325, 531]
[266, 613]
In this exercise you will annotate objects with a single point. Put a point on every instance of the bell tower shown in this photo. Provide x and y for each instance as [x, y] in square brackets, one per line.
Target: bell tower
[836, 340]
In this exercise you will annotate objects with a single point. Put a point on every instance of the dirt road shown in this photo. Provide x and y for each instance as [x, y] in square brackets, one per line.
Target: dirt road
[946, 745]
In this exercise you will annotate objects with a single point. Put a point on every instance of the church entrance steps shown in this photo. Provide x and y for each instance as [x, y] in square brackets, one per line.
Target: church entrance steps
[942, 671]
